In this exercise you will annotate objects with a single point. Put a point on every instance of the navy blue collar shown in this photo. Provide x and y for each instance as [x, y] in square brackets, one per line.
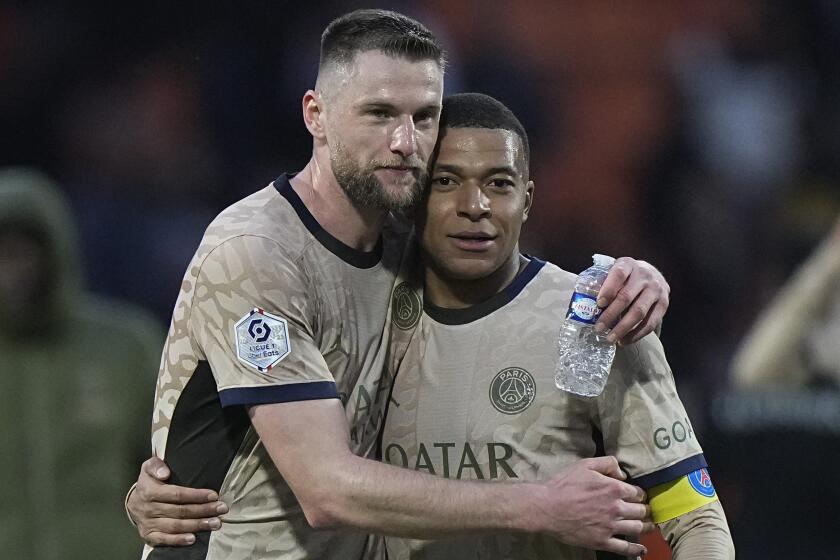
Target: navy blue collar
[466, 315]
[353, 257]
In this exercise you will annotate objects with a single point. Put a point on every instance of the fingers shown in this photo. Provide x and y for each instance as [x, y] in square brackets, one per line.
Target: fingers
[171, 494]
[648, 325]
[156, 468]
[614, 282]
[190, 512]
[607, 466]
[634, 495]
[183, 495]
[183, 526]
[631, 528]
[648, 527]
[174, 525]
[634, 511]
[632, 285]
[169, 515]
[636, 306]
[156, 538]
[624, 548]
[635, 315]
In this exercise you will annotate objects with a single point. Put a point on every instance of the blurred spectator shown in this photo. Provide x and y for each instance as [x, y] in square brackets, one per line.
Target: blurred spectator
[796, 340]
[76, 381]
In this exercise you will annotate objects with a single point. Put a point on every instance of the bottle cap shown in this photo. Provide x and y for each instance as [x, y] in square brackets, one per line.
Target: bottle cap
[605, 261]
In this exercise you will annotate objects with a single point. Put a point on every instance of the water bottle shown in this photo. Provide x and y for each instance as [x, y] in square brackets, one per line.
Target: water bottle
[585, 356]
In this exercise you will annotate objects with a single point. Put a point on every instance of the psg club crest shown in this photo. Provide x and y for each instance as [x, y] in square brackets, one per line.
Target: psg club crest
[406, 307]
[262, 339]
[512, 390]
[702, 483]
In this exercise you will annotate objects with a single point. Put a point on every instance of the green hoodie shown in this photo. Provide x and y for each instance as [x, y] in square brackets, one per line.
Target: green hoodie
[77, 378]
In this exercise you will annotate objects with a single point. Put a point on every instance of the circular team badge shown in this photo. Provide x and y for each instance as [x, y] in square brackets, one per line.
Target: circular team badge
[406, 307]
[702, 483]
[512, 390]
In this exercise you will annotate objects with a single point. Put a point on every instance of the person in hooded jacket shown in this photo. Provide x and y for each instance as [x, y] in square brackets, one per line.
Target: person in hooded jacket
[76, 378]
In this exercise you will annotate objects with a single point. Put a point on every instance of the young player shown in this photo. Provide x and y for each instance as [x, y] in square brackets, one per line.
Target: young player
[475, 398]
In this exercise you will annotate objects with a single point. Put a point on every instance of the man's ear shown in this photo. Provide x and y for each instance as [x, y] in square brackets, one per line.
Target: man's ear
[313, 113]
[529, 200]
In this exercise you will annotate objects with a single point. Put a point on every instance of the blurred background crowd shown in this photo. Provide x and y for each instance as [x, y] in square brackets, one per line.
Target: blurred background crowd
[700, 135]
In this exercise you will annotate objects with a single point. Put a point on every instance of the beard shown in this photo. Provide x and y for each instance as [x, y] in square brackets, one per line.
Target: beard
[364, 188]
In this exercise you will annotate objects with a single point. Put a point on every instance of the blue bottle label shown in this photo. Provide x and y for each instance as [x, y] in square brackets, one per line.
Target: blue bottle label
[583, 309]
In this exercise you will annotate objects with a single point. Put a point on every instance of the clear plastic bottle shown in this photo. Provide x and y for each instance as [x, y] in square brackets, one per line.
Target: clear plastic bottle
[585, 357]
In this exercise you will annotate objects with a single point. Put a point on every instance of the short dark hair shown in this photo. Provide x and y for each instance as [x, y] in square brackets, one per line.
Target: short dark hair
[476, 110]
[383, 30]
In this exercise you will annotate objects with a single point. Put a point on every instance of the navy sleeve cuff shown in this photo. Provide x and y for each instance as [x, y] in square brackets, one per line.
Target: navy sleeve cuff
[673, 472]
[271, 394]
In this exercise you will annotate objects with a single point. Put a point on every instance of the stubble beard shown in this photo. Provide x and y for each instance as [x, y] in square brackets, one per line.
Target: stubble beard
[364, 189]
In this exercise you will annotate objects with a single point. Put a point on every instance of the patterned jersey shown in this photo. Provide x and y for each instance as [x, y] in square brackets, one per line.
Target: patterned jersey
[272, 309]
[475, 399]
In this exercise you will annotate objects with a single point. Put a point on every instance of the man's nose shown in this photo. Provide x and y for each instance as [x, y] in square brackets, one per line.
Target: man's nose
[472, 202]
[404, 137]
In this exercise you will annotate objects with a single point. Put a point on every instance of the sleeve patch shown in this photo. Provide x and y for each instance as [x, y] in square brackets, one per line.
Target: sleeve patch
[678, 497]
[262, 339]
[701, 482]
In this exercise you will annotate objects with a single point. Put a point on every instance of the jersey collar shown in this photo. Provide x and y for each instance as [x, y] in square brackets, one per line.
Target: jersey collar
[353, 257]
[469, 314]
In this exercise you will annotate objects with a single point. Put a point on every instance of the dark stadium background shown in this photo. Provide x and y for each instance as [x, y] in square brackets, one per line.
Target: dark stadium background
[701, 135]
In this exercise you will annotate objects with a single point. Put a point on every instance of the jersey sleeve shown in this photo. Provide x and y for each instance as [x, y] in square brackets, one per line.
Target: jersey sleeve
[702, 534]
[252, 317]
[642, 420]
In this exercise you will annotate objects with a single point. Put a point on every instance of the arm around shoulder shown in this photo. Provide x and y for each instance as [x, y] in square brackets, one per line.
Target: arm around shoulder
[309, 443]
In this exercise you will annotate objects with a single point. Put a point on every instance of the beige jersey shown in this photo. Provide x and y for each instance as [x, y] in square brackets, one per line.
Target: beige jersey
[475, 399]
[272, 309]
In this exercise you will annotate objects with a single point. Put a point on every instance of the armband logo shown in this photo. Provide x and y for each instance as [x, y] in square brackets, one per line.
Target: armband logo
[701, 482]
[262, 339]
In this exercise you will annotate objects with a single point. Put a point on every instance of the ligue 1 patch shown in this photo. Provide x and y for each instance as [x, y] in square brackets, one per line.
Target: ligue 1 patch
[262, 339]
[406, 307]
[512, 390]
[702, 483]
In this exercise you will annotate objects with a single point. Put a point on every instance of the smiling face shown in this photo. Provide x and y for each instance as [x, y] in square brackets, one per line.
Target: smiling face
[478, 199]
[381, 124]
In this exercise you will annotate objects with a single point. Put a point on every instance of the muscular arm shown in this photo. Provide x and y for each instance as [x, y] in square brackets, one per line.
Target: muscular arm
[338, 489]
[702, 534]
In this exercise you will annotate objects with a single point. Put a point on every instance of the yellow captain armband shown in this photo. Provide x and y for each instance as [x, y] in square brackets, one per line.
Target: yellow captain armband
[677, 497]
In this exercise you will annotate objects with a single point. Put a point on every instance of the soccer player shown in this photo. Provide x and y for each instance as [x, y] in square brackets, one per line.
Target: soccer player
[271, 390]
[475, 397]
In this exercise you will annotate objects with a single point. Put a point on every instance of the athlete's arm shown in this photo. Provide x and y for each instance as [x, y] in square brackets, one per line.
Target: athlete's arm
[582, 506]
[702, 534]
[634, 298]
[772, 350]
